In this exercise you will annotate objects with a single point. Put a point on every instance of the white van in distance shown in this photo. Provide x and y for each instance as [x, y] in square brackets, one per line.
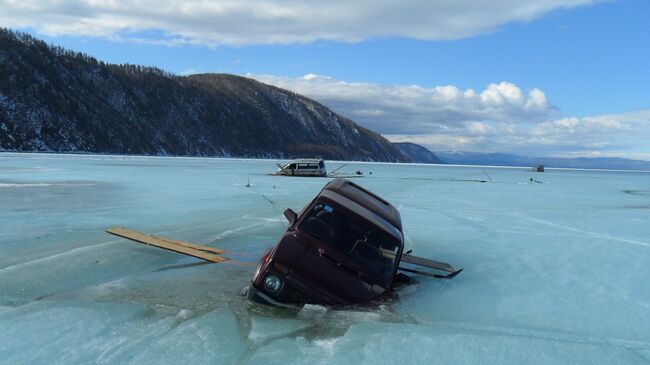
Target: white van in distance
[303, 167]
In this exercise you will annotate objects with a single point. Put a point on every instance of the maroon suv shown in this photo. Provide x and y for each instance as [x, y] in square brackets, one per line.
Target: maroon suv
[343, 248]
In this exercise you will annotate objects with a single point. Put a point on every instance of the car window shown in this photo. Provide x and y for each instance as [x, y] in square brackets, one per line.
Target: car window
[353, 237]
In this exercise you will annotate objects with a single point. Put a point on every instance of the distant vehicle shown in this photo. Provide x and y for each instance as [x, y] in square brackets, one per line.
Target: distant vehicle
[303, 167]
[538, 168]
[345, 247]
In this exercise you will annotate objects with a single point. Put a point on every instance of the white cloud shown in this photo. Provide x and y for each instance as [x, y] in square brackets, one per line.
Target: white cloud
[391, 109]
[310, 77]
[504, 92]
[478, 128]
[536, 99]
[500, 118]
[614, 135]
[243, 22]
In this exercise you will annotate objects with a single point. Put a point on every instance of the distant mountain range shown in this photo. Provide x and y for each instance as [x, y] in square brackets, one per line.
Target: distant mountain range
[501, 159]
[55, 100]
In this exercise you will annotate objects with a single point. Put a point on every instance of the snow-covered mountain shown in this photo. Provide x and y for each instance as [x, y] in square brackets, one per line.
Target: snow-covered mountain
[56, 100]
[504, 159]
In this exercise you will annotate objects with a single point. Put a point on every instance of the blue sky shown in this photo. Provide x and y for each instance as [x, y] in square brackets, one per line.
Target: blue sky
[567, 78]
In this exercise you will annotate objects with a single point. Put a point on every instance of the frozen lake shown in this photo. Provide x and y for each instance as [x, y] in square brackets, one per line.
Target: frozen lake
[555, 272]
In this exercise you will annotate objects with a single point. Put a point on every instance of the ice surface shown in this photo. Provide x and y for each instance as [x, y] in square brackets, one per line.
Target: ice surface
[265, 328]
[555, 272]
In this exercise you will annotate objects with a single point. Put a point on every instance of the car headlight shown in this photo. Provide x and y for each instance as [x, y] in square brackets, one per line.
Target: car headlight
[272, 283]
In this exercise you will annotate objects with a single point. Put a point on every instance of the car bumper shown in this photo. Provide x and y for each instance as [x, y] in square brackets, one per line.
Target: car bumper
[257, 295]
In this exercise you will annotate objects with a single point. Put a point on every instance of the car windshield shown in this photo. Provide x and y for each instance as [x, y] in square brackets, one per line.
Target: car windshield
[353, 237]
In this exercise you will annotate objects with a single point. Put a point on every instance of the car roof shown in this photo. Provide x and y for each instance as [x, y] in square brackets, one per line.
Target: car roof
[366, 199]
[307, 160]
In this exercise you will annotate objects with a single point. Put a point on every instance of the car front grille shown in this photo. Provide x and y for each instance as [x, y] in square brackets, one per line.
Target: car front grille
[292, 294]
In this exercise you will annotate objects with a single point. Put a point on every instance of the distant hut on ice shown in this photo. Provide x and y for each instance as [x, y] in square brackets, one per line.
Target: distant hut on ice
[538, 168]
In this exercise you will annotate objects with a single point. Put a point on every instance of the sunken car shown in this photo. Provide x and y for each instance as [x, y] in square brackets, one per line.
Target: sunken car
[345, 247]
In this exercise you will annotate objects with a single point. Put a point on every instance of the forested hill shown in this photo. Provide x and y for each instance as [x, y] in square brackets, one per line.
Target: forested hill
[56, 100]
[417, 153]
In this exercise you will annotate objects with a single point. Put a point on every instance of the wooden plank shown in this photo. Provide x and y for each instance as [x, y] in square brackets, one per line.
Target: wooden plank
[190, 245]
[201, 252]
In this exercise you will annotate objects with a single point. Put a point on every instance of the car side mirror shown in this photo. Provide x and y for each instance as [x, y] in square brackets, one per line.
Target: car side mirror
[292, 217]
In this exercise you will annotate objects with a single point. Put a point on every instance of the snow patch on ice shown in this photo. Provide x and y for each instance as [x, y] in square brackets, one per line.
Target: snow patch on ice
[184, 314]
